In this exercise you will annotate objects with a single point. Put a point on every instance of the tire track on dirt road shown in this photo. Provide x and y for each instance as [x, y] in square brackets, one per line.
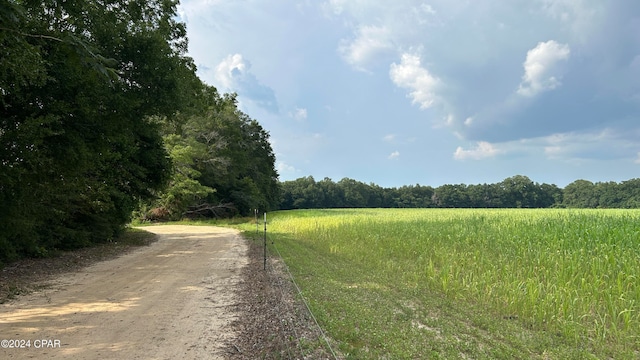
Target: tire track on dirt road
[172, 300]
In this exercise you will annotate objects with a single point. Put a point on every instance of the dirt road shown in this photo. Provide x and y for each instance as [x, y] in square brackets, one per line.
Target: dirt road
[171, 300]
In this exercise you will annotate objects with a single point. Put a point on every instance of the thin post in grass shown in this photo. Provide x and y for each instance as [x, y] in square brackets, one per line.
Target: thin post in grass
[255, 212]
[265, 241]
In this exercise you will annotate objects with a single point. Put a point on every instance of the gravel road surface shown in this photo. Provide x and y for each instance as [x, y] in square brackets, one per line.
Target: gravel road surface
[171, 300]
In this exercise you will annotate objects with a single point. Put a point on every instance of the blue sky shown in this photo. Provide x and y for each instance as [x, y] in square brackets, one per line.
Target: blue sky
[431, 92]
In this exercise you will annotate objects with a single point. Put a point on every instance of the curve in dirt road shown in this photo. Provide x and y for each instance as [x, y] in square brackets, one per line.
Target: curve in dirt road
[171, 300]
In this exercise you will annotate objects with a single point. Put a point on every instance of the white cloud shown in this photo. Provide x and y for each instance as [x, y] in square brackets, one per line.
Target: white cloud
[282, 167]
[542, 70]
[469, 121]
[233, 75]
[299, 114]
[411, 75]
[483, 150]
[427, 9]
[186, 9]
[370, 43]
[394, 155]
[230, 67]
[637, 161]
[389, 138]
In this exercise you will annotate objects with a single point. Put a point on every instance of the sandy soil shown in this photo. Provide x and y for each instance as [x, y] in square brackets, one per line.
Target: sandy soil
[174, 299]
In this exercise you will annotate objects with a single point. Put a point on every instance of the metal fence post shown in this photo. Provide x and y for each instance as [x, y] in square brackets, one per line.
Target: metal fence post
[255, 213]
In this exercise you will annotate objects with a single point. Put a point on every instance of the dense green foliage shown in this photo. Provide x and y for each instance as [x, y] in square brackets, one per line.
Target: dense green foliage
[223, 164]
[514, 192]
[79, 80]
[100, 110]
[585, 194]
[468, 283]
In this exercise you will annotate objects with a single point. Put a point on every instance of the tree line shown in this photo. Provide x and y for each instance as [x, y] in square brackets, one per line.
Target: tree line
[102, 113]
[514, 192]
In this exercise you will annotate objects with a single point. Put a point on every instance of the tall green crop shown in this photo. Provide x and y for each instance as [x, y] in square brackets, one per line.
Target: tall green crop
[570, 272]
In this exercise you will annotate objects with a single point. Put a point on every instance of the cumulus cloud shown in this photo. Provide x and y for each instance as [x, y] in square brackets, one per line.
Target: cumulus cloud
[284, 168]
[370, 43]
[542, 68]
[233, 74]
[299, 114]
[389, 138]
[409, 74]
[394, 155]
[228, 68]
[482, 150]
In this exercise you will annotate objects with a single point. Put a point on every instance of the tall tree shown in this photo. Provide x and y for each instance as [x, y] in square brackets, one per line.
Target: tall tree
[631, 193]
[451, 196]
[580, 194]
[223, 162]
[242, 163]
[332, 194]
[519, 192]
[81, 82]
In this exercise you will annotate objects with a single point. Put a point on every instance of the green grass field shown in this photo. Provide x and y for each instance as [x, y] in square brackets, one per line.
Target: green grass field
[462, 283]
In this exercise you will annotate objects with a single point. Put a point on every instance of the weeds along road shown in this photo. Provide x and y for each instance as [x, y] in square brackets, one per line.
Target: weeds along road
[171, 300]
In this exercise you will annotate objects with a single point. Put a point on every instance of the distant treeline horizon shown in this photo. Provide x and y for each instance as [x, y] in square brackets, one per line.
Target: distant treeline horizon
[514, 192]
